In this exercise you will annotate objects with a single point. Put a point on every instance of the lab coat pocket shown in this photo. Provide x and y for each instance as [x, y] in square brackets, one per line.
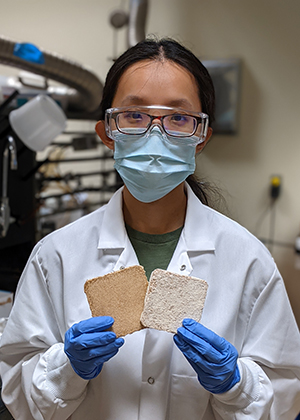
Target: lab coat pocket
[188, 399]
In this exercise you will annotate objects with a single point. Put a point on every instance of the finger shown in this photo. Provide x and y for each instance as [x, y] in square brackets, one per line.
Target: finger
[106, 357]
[197, 361]
[95, 353]
[185, 348]
[200, 346]
[90, 340]
[91, 325]
[209, 336]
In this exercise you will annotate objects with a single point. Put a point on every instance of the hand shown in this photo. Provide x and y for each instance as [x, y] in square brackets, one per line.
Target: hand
[212, 357]
[88, 345]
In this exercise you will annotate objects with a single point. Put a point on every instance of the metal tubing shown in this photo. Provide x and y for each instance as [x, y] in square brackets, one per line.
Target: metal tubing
[137, 21]
[88, 87]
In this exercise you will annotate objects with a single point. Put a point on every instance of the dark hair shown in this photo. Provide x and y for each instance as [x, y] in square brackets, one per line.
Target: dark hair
[164, 49]
[160, 50]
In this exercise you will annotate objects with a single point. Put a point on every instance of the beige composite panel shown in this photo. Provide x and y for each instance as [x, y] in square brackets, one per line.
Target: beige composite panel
[121, 295]
[172, 297]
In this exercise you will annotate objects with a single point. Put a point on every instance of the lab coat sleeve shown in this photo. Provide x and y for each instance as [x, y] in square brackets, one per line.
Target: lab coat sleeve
[38, 380]
[269, 388]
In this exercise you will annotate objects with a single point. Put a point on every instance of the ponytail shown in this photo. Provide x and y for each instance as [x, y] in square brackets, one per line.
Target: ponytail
[208, 194]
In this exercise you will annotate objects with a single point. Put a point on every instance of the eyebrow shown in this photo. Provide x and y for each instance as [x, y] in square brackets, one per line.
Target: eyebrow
[181, 103]
[132, 100]
[176, 103]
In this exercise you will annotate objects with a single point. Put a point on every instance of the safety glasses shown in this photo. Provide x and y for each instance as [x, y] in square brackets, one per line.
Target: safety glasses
[180, 125]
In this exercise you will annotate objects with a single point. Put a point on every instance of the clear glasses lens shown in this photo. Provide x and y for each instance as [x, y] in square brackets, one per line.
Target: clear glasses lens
[179, 125]
[132, 122]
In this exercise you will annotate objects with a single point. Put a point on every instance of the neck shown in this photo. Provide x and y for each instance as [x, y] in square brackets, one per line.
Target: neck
[161, 216]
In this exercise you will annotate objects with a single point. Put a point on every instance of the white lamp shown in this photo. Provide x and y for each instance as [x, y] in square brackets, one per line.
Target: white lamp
[38, 122]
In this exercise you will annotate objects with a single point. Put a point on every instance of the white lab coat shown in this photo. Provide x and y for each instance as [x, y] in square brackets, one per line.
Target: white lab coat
[246, 303]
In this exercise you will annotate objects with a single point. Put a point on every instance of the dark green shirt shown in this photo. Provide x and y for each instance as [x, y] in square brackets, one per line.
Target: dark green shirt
[153, 251]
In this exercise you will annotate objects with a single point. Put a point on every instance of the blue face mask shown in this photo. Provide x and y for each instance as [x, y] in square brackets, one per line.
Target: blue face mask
[151, 166]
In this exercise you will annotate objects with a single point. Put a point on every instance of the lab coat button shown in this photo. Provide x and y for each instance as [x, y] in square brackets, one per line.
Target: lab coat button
[122, 267]
[183, 267]
[151, 380]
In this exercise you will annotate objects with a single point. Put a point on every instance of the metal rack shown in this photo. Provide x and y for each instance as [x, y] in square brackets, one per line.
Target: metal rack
[49, 189]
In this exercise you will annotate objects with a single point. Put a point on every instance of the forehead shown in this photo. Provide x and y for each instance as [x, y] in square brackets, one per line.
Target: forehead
[152, 82]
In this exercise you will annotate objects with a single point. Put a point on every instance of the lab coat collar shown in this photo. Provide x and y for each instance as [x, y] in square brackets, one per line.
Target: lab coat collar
[197, 230]
[113, 232]
[113, 236]
[195, 238]
[195, 235]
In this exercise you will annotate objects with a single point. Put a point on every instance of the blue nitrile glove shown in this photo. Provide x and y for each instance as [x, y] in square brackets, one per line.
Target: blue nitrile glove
[88, 345]
[212, 357]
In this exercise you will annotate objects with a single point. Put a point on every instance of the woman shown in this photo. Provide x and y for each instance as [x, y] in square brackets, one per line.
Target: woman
[241, 361]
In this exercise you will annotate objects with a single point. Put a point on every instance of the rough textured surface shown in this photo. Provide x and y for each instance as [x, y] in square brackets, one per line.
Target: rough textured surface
[121, 295]
[172, 297]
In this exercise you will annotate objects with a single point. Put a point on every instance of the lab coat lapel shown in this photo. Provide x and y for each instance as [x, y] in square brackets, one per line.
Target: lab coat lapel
[113, 238]
[195, 237]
